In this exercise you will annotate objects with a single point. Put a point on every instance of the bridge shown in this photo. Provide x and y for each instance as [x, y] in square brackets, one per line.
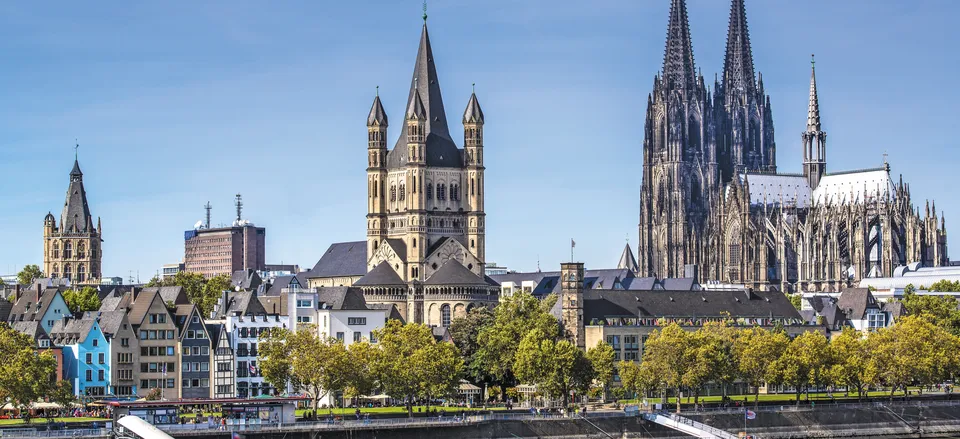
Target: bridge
[688, 426]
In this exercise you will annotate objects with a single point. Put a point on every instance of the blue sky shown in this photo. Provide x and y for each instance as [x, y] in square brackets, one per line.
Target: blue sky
[178, 103]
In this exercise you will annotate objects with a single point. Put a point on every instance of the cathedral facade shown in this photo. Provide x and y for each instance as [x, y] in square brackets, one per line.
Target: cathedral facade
[71, 250]
[714, 207]
[425, 214]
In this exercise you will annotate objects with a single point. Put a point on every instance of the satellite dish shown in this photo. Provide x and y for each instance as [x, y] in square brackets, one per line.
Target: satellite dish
[198, 224]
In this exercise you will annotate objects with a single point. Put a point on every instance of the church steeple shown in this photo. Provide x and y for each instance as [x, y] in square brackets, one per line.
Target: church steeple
[75, 217]
[679, 70]
[814, 138]
[738, 72]
[426, 84]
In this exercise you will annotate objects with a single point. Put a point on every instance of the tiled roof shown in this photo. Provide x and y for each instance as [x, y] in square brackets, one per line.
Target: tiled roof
[453, 272]
[341, 298]
[381, 275]
[599, 304]
[342, 259]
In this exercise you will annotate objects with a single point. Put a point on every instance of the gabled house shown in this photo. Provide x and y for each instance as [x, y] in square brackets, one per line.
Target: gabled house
[40, 304]
[85, 354]
[194, 353]
[124, 352]
[245, 316]
[223, 359]
[865, 313]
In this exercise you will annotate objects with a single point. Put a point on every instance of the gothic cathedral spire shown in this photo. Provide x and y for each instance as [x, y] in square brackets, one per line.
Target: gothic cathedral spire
[679, 70]
[738, 74]
[814, 138]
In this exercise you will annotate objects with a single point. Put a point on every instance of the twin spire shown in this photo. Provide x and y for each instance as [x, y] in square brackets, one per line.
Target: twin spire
[738, 72]
[679, 70]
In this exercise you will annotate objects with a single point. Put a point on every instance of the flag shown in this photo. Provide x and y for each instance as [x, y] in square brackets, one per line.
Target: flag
[573, 243]
[164, 369]
[253, 369]
[750, 414]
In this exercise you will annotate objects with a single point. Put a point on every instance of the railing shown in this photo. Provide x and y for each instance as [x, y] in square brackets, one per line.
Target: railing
[34, 433]
[822, 405]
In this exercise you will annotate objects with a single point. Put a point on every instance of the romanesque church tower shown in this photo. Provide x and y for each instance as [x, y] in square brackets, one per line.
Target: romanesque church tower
[746, 140]
[425, 195]
[72, 250]
[680, 169]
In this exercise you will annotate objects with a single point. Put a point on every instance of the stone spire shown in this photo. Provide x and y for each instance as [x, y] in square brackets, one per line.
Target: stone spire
[627, 261]
[738, 73]
[415, 109]
[75, 217]
[679, 71]
[473, 113]
[813, 108]
[425, 83]
[377, 116]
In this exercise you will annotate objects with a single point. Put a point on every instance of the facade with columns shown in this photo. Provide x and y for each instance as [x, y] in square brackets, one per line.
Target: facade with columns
[711, 196]
[425, 215]
[71, 248]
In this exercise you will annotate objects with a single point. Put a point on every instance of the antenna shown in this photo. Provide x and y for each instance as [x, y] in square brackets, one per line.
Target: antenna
[239, 204]
[208, 207]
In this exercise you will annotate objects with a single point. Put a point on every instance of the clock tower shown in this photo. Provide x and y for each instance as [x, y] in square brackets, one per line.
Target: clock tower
[571, 296]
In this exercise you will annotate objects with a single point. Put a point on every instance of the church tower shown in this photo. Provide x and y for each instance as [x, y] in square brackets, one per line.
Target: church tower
[814, 138]
[571, 290]
[376, 175]
[473, 160]
[680, 170]
[72, 250]
[747, 139]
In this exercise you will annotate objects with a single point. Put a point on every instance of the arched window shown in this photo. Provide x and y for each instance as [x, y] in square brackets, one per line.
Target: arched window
[441, 192]
[413, 189]
[403, 192]
[81, 273]
[393, 192]
[429, 191]
[67, 272]
[445, 315]
[68, 250]
[56, 271]
[81, 250]
[56, 250]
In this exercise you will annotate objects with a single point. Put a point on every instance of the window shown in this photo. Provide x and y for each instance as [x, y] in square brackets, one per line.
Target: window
[356, 321]
[153, 335]
[44, 343]
[186, 351]
[153, 318]
[143, 334]
[357, 337]
[153, 351]
[100, 358]
[204, 382]
[190, 334]
[304, 303]
[125, 342]
[162, 318]
[201, 335]
[170, 351]
[373, 338]
[205, 351]
[196, 350]
[171, 383]
[243, 332]
[186, 367]
[89, 375]
[89, 358]
[96, 342]
[340, 336]
[196, 319]
[205, 367]
[445, 315]
[186, 384]
[100, 375]
[170, 335]
[303, 319]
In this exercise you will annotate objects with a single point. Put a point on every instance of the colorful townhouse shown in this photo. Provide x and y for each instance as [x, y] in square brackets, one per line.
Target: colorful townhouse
[195, 371]
[86, 354]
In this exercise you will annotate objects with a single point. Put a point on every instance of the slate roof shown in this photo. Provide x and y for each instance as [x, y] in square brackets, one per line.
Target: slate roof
[29, 308]
[246, 279]
[792, 189]
[856, 301]
[342, 259]
[244, 302]
[72, 331]
[679, 284]
[377, 116]
[110, 321]
[473, 113]
[599, 304]
[181, 317]
[441, 149]
[75, 216]
[141, 304]
[274, 305]
[392, 312]
[381, 275]
[627, 261]
[341, 298]
[896, 309]
[454, 273]
[32, 329]
[5, 308]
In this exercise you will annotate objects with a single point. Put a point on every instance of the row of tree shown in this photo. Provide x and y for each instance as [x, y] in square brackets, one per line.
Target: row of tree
[201, 291]
[915, 351]
[406, 363]
[28, 375]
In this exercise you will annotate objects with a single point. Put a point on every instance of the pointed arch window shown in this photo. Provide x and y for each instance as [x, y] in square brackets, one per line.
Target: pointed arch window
[393, 192]
[429, 191]
[441, 192]
[56, 271]
[56, 251]
[68, 250]
[81, 273]
[81, 250]
[67, 272]
[403, 192]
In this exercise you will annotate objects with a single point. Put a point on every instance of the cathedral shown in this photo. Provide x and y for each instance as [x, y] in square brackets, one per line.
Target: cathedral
[72, 250]
[425, 216]
[714, 207]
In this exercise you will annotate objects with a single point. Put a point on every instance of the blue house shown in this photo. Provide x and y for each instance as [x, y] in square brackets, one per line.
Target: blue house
[86, 354]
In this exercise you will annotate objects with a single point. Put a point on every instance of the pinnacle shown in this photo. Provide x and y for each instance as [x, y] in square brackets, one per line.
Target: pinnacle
[738, 69]
[679, 70]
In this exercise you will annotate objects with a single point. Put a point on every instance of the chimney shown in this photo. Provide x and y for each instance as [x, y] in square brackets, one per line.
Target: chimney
[16, 293]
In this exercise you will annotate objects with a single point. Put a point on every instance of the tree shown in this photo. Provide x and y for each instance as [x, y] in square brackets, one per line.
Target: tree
[318, 365]
[497, 343]
[555, 367]
[62, 394]
[24, 372]
[410, 365]
[362, 380]
[87, 299]
[464, 332]
[795, 300]
[201, 291]
[601, 359]
[636, 378]
[755, 350]
[850, 358]
[803, 362]
[29, 274]
[666, 356]
[941, 310]
[945, 286]
[273, 357]
[154, 394]
[912, 351]
[212, 290]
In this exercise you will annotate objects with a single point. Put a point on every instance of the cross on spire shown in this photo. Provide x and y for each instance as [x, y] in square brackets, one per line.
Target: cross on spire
[76, 150]
[424, 11]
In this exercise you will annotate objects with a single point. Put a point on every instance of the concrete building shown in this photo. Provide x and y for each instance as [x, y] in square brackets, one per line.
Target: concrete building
[224, 250]
[170, 270]
[73, 249]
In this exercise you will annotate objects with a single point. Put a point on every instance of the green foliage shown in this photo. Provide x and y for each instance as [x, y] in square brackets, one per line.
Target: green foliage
[25, 372]
[410, 363]
[547, 303]
[941, 310]
[29, 274]
[795, 300]
[556, 367]
[912, 351]
[755, 351]
[273, 357]
[62, 393]
[601, 359]
[945, 286]
[803, 363]
[361, 380]
[497, 343]
[666, 357]
[201, 291]
[850, 362]
[154, 395]
[87, 299]
[464, 332]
